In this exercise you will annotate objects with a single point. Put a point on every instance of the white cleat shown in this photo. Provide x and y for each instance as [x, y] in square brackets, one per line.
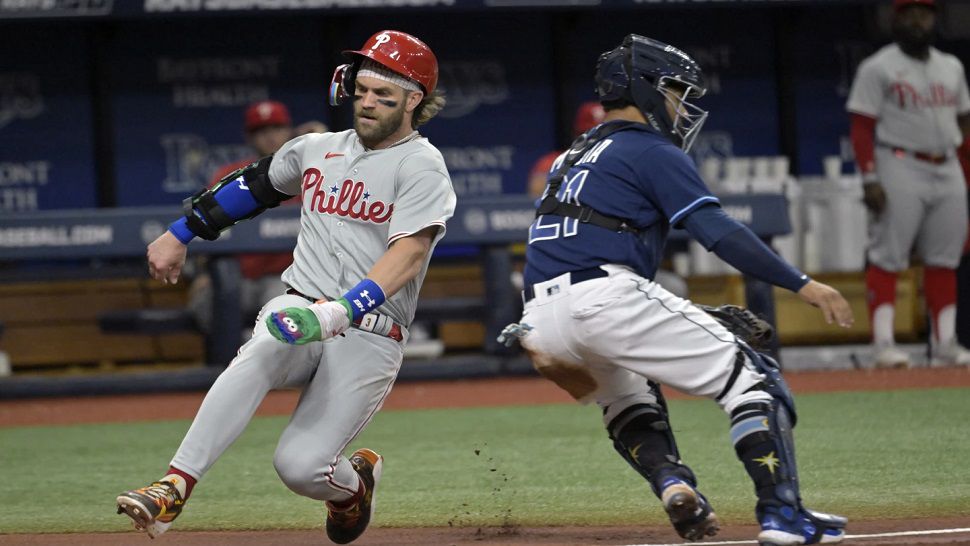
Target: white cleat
[951, 355]
[892, 357]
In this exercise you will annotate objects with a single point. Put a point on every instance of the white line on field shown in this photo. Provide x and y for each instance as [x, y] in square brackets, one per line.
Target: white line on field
[876, 535]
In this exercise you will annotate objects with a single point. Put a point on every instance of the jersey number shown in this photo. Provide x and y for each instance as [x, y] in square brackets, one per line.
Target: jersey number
[545, 228]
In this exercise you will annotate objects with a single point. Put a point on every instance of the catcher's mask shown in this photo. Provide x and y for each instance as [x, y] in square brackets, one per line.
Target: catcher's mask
[648, 73]
[399, 52]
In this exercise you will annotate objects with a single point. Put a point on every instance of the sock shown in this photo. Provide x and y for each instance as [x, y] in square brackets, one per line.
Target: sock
[881, 297]
[883, 319]
[940, 289]
[182, 481]
[344, 505]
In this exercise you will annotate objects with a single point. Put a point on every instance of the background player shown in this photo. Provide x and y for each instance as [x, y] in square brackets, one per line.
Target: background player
[588, 115]
[910, 111]
[267, 126]
[375, 202]
[596, 323]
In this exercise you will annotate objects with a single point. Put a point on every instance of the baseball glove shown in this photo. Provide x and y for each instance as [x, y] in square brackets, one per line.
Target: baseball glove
[744, 324]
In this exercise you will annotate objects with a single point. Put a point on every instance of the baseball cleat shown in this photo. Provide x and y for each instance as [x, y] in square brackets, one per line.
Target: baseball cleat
[950, 355]
[786, 526]
[151, 508]
[344, 526]
[689, 511]
[892, 357]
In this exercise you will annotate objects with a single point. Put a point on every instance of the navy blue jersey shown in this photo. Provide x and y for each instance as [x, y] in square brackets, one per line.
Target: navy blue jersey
[633, 174]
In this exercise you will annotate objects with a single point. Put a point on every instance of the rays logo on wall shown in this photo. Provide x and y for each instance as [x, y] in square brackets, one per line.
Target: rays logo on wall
[190, 160]
[20, 97]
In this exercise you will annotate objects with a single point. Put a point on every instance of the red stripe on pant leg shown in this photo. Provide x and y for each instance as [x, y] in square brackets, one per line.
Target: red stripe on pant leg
[940, 289]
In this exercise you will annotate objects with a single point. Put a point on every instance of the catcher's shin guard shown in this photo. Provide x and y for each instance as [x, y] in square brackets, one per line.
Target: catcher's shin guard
[641, 435]
[761, 430]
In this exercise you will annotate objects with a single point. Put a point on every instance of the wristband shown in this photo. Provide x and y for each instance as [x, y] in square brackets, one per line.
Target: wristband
[363, 298]
[870, 177]
[180, 229]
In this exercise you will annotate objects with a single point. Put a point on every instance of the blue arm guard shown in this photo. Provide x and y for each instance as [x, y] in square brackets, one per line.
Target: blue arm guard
[234, 200]
[738, 246]
[238, 196]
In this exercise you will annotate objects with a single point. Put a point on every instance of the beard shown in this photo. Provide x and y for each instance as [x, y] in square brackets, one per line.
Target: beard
[372, 135]
[913, 41]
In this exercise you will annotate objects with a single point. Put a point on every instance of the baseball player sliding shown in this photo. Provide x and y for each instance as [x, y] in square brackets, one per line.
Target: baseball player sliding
[375, 202]
[598, 325]
[910, 112]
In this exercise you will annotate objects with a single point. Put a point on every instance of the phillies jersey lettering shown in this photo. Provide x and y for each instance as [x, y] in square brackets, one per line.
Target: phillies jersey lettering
[916, 102]
[350, 199]
[356, 203]
[626, 176]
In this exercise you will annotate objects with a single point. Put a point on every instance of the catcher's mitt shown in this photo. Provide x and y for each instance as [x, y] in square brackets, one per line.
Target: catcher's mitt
[743, 323]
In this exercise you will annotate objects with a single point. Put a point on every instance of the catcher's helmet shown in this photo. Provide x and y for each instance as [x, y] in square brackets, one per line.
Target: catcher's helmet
[644, 72]
[398, 51]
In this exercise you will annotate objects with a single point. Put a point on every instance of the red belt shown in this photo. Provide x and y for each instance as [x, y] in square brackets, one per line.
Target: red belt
[922, 156]
[367, 323]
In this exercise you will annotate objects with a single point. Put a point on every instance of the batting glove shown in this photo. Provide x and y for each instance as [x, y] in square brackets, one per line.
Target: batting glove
[302, 325]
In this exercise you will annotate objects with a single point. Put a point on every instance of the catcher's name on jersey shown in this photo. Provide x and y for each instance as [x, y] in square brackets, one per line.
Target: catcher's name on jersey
[351, 198]
[627, 175]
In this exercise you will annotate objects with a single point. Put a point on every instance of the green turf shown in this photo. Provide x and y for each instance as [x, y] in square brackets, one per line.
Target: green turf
[867, 455]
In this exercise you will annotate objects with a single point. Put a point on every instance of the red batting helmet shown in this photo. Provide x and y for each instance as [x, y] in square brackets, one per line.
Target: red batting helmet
[900, 4]
[396, 50]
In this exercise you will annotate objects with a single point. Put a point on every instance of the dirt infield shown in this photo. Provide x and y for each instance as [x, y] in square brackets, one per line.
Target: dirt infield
[432, 394]
[482, 392]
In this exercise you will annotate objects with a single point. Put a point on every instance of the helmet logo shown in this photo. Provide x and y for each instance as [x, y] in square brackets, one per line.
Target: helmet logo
[395, 55]
[381, 39]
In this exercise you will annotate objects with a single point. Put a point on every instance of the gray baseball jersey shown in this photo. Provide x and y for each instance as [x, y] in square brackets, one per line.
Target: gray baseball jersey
[356, 202]
[916, 104]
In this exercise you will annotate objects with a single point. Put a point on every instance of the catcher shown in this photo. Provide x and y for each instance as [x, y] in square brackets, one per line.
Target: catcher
[597, 324]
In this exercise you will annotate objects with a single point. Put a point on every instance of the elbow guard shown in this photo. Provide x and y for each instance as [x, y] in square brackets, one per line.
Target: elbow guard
[206, 217]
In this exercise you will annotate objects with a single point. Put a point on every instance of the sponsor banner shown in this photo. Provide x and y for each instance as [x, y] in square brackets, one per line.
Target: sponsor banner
[499, 114]
[10, 9]
[115, 8]
[738, 65]
[178, 110]
[46, 154]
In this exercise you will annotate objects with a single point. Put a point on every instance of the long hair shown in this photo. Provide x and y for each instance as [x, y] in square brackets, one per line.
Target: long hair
[428, 108]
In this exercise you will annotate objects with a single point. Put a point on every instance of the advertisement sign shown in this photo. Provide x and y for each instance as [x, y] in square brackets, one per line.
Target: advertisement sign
[46, 155]
[178, 104]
